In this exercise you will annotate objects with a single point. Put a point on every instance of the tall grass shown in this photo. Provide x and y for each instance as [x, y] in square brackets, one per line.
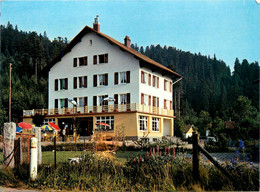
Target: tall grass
[102, 172]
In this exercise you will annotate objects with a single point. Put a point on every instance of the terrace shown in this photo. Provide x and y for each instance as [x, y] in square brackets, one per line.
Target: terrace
[116, 108]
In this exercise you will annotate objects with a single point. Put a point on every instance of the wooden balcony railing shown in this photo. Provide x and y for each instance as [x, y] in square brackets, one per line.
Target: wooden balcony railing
[101, 109]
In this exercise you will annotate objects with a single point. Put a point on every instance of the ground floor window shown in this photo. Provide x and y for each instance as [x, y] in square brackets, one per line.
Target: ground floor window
[46, 121]
[155, 124]
[105, 123]
[143, 122]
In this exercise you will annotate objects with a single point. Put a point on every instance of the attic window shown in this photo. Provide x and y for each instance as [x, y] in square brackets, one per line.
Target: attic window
[90, 42]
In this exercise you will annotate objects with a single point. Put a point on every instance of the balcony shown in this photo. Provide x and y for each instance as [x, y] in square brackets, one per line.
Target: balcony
[116, 108]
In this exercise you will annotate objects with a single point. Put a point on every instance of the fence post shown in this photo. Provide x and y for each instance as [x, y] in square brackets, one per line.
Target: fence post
[195, 159]
[54, 148]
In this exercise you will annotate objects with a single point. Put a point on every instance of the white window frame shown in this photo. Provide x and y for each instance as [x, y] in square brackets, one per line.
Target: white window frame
[81, 101]
[123, 99]
[146, 78]
[146, 99]
[143, 123]
[123, 77]
[101, 79]
[108, 120]
[46, 121]
[155, 124]
[62, 103]
[62, 87]
[156, 81]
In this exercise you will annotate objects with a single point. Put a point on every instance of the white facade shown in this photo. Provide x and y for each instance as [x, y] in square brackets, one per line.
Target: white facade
[118, 61]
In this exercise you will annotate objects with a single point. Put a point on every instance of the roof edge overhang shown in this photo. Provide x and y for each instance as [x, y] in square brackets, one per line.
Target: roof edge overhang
[142, 58]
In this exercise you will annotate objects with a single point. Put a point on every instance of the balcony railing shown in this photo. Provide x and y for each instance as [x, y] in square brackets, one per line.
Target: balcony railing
[100, 109]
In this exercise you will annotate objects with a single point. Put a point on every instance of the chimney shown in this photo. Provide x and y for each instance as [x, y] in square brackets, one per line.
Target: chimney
[127, 42]
[96, 24]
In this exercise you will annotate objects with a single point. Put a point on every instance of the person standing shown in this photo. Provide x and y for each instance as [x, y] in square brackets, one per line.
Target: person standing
[63, 134]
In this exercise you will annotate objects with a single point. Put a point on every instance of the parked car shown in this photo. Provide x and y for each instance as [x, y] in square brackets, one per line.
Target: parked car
[210, 140]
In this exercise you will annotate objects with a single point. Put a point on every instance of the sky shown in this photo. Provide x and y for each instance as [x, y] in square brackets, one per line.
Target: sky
[229, 29]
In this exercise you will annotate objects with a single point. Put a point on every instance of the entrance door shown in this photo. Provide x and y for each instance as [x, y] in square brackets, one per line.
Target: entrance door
[85, 126]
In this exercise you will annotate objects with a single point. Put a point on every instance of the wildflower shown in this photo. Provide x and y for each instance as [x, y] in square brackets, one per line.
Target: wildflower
[241, 144]
[233, 161]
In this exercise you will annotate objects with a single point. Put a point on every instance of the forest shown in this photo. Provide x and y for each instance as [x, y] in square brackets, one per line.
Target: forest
[209, 94]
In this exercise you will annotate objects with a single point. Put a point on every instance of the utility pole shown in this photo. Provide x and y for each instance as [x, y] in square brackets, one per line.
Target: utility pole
[10, 91]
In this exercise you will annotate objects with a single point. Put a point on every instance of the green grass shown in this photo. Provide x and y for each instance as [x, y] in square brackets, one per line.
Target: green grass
[63, 156]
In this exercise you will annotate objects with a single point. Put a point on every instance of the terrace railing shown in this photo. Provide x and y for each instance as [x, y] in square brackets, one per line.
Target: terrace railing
[101, 109]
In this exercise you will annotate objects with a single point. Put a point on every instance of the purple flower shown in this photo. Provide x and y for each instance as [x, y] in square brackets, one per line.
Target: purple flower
[241, 144]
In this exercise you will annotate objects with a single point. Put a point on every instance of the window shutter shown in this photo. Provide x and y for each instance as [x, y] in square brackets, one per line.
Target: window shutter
[85, 60]
[94, 80]
[153, 81]
[95, 59]
[149, 82]
[157, 101]
[149, 101]
[165, 85]
[142, 98]
[94, 100]
[165, 107]
[106, 58]
[170, 86]
[116, 78]
[106, 79]
[116, 98]
[154, 101]
[66, 83]
[75, 62]
[85, 81]
[56, 84]
[157, 82]
[66, 103]
[75, 82]
[142, 77]
[85, 101]
[170, 105]
[56, 101]
[128, 76]
[128, 98]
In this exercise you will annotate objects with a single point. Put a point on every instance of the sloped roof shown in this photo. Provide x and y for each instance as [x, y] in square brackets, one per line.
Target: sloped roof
[187, 128]
[135, 53]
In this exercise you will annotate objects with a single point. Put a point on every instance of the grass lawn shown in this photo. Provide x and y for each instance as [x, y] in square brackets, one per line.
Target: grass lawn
[63, 156]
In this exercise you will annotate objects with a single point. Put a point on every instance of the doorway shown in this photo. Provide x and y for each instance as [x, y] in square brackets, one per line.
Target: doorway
[85, 126]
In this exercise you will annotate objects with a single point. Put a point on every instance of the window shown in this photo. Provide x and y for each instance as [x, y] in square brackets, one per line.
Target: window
[143, 122]
[83, 82]
[100, 80]
[155, 124]
[83, 61]
[155, 101]
[155, 81]
[167, 85]
[90, 42]
[124, 77]
[46, 121]
[64, 84]
[103, 58]
[108, 120]
[83, 101]
[145, 99]
[63, 103]
[101, 100]
[145, 78]
[123, 98]
[167, 104]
